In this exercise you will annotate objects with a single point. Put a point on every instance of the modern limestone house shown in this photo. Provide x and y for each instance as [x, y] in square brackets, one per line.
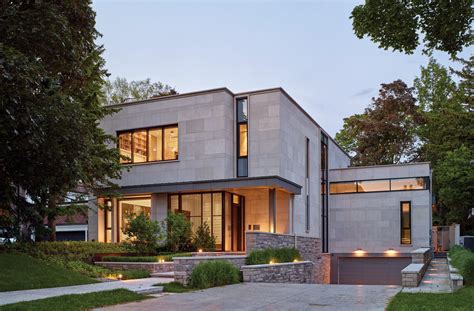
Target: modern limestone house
[255, 166]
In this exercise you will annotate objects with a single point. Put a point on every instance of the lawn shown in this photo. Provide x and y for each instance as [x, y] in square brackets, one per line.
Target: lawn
[77, 302]
[174, 287]
[20, 272]
[460, 300]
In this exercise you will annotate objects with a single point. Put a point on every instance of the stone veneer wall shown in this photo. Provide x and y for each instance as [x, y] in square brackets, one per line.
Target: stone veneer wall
[183, 266]
[309, 248]
[291, 272]
[152, 267]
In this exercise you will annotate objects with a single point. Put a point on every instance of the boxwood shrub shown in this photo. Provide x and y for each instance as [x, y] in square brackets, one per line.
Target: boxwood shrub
[165, 256]
[214, 273]
[276, 255]
[463, 260]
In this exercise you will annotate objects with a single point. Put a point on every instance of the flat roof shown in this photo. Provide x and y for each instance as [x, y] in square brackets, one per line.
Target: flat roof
[381, 166]
[225, 89]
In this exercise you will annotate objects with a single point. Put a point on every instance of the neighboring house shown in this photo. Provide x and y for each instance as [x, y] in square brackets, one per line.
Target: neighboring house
[74, 228]
[256, 161]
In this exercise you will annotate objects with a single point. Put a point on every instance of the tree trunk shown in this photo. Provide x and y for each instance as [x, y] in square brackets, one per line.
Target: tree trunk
[52, 219]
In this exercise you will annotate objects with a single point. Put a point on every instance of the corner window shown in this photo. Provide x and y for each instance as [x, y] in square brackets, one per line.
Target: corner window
[149, 145]
[242, 137]
[405, 222]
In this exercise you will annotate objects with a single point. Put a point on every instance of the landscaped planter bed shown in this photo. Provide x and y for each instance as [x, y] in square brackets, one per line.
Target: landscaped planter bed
[288, 272]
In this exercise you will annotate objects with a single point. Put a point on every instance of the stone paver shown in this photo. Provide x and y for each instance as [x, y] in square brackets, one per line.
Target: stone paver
[265, 296]
[435, 280]
[139, 285]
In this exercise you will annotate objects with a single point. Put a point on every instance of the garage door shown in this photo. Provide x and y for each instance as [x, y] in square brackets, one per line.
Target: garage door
[372, 270]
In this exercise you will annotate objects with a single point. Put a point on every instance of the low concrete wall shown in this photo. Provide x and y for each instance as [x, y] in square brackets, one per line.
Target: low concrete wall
[309, 248]
[183, 266]
[291, 272]
[422, 255]
[152, 267]
[194, 254]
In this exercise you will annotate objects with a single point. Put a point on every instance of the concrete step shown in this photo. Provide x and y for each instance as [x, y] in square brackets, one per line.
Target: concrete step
[150, 290]
[163, 275]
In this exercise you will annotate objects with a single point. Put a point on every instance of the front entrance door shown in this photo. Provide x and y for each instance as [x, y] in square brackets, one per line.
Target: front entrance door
[237, 219]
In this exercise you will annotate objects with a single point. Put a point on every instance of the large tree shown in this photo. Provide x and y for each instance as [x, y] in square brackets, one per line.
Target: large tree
[51, 78]
[385, 132]
[120, 90]
[398, 25]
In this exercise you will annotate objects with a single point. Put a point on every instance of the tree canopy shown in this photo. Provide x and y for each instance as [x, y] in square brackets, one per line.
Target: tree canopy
[51, 78]
[398, 25]
[120, 90]
[385, 132]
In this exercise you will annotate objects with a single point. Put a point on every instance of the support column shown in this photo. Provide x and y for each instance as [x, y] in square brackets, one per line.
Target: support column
[291, 212]
[159, 207]
[272, 209]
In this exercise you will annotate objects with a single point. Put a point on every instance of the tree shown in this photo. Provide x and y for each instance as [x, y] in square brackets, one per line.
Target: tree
[385, 132]
[143, 234]
[179, 232]
[51, 77]
[203, 239]
[119, 90]
[445, 25]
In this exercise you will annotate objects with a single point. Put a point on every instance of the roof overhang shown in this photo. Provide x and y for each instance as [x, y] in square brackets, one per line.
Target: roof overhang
[215, 185]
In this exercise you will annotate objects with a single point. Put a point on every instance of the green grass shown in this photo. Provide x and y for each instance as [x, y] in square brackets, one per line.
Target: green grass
[18, 272]
[460, 300]
[275, 255]
[133, 274]
[77, 302]
[174, 287]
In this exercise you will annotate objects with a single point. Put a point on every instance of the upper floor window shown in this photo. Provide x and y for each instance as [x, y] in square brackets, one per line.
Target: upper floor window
[149, 145]
[242, 137]
[380, 185]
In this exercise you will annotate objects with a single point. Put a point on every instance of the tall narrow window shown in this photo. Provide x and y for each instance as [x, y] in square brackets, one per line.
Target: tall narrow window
[125, 146]
[405, 222]
[139, 146]
[307, 169]
[242, 137]
[324, 192]
[155, 145]
[171, 143]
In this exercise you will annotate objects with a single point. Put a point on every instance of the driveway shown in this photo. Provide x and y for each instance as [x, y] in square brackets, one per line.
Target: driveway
[264, 296]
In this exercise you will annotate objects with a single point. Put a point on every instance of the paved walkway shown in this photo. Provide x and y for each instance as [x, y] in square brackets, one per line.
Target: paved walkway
[436, 279]
[264, 296]
[139, 285]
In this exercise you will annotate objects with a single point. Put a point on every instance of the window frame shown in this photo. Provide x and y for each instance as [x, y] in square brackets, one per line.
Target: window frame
[409, 222]
[147, 130]
[426, 179]
[246, 122]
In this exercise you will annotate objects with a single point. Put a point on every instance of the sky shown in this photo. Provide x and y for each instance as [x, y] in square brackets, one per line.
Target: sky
[306, 47]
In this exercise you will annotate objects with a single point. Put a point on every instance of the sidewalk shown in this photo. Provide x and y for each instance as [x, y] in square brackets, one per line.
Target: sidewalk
[138, 285]
[435, 280]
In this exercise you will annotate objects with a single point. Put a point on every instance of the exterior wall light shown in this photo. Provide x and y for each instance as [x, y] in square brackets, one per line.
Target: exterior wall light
[359, 252]
[161, 260]
[200, 250]
[391, 252]
[271, 262]
[296, 260]
[119, 276]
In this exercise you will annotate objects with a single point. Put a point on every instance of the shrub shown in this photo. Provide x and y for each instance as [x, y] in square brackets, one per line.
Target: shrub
[203, 239]
[130, 258]
[144, 235]
[463, 260]
[179, 232]
[276, 255]
[213, 273]
[134, 274]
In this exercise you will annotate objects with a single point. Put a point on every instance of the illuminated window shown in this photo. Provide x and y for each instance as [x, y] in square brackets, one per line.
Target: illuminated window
[373, 185]
[243, 140]
[130, 208]
[242, 137]
[409, 184]
[149, 145]
[343, 187]
[405, 222]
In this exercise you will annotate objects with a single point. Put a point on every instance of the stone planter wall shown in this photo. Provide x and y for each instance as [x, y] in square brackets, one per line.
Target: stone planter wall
[421, 255]
[152, 267]
[309, 248]
[183, 266]
[292, 272]
[414, 272]
[195, 254]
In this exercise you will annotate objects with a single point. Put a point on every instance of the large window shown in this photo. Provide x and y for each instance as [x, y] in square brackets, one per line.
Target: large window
[149, 145]
[242, 137]
[405, 222]
[380, 185]
[130, 208]
[201, 208]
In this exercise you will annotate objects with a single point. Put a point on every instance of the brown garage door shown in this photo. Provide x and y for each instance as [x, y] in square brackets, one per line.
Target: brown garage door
[372, 270]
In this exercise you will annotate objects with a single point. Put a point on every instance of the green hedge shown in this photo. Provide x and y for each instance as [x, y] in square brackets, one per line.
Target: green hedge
[276, 255]
[214, 273]
[165, 256]
[463, 260]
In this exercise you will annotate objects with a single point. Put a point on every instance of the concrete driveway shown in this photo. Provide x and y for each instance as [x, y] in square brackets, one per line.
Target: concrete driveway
[264, 296]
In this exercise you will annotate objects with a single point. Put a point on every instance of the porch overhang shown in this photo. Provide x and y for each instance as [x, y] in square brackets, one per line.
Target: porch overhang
[215, 185]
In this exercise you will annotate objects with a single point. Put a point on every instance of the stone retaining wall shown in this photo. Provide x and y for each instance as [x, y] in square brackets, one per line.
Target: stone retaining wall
[183, 266]
[292, 272]
[414, 272]
[309, 248]
[194, 254]
[421, 255]
[152, 267]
